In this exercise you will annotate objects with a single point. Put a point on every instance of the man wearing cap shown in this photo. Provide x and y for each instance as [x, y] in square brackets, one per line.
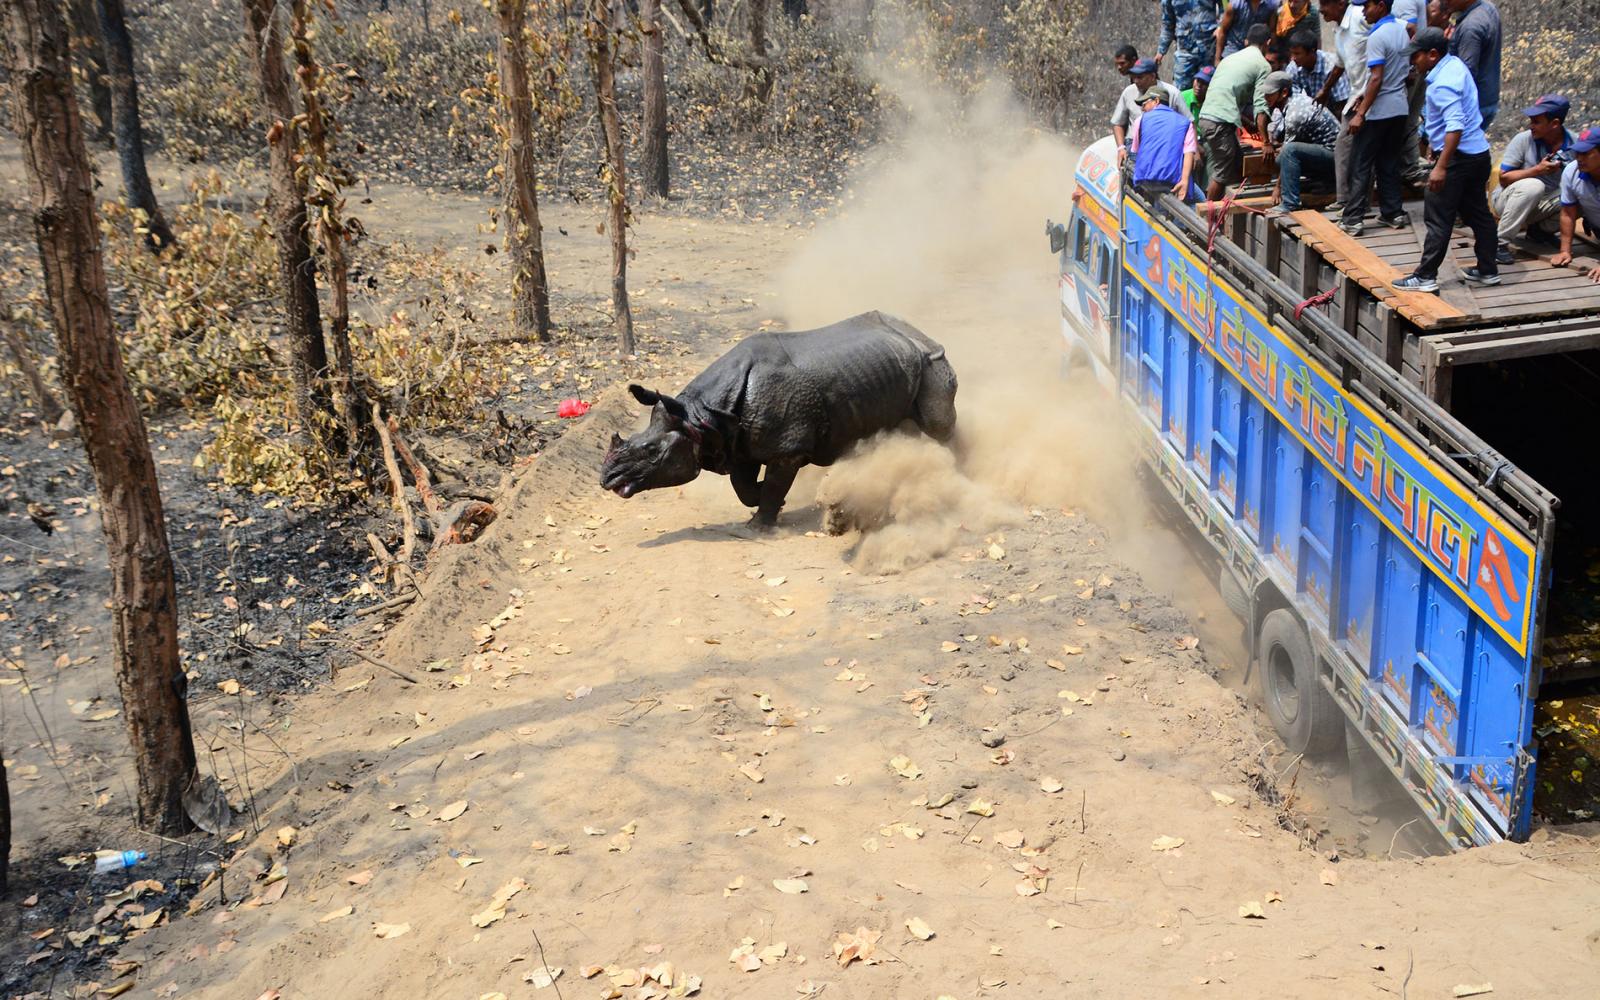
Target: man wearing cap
[1236, 82]
[1453, 123]
[1196, 94]
[1127, 111]
[1191, 26]
[1164, 148]
[1580, 195]
[1305, 132]
[1530, 172]
[1379, 124]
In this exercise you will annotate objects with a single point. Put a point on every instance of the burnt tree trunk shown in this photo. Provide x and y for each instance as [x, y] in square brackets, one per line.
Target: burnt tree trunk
[654, 167]
[286, 210]
[759, 86]
[327, 204]
[91, 52]
[129, 134]
[530, 288]
[143, 600]
[5, 829]
[794, 10]
[601, 59]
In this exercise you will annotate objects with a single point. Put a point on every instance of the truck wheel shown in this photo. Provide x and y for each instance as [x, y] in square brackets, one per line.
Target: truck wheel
[1304, 714]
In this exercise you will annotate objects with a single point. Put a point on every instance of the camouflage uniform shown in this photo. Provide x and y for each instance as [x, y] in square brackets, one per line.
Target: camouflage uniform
[1193, 24]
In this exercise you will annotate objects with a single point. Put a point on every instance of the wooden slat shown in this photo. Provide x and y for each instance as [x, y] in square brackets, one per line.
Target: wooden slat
[1453, 287]
[1371, 271]
[1531, 345]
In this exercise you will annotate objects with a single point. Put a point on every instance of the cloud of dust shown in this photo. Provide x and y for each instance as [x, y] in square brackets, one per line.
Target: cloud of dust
[945, 228]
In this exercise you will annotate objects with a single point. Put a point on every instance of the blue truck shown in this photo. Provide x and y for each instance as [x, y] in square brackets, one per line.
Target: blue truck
[1393, 570]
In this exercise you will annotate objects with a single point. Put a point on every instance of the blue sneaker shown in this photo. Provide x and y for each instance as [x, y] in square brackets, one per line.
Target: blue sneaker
[1417, 283]
[1477, 277]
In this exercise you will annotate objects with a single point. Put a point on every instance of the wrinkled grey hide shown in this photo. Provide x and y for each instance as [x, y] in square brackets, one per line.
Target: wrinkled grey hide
[783, 401]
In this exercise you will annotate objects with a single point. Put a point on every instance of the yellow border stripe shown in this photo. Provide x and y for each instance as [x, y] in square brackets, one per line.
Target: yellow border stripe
[1514, 536]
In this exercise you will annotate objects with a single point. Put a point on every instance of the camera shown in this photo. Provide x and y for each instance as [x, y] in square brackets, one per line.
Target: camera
[1560, 156]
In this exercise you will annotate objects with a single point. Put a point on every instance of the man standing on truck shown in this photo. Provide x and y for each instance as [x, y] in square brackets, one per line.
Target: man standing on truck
[1350, 48]
[1379, 124]
[1476, 42]
[1316, 73]
[1236, 83]
[1127, 111]
[1530, 172]
[1456, 185]
[1195, 96]
[1164, 148]
[1304, 132]
[1238, 17]
[1191, 25]
[1580, 195]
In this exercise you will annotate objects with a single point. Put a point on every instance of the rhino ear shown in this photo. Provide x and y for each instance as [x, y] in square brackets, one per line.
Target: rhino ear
[649, 397]
[616, 441]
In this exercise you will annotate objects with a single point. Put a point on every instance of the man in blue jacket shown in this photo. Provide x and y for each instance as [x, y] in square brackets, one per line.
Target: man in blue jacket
[1163, 144]
[1457, 184]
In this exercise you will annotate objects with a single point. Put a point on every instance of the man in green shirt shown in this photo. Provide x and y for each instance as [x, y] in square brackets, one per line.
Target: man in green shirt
[1235, 84]
[1196, 94]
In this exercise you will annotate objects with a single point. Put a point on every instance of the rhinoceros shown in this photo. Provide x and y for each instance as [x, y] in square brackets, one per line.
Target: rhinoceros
[787, 400]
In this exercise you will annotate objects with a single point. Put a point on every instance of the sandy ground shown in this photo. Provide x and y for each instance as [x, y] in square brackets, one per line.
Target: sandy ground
[646, 737]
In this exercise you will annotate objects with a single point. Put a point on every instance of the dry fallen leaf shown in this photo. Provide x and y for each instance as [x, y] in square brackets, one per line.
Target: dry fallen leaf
[287, 835]
[1222, 798]
[329, 917]
[359, 878]
[903, 766]
[542, 976]
[453, 810]
[390, 931]
[793, 886]
[752, 772]
[1252, 910]
[1330, 877]
[1165, 843]
[980, 807]
[919, 928]
[1011, 839]
[860, 946]
[1051, 785]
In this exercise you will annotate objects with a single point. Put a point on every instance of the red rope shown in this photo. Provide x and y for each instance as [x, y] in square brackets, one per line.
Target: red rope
[1319, 299]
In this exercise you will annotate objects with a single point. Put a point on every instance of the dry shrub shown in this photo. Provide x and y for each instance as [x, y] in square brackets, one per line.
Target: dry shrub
[256, 446]
[185, 338]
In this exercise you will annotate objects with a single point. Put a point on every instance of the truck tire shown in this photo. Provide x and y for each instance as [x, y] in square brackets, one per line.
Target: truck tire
[1304, 714]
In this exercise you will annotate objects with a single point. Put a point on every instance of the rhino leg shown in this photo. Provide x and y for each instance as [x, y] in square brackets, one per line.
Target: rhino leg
[774, 488]
[743, 475]
[936, 400]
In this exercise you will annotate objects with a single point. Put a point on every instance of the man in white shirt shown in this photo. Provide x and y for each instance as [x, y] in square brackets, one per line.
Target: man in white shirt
[1350, 50]
[1128, 109]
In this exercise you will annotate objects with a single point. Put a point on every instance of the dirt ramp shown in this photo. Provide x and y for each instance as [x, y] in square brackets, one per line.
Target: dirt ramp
[467, 584]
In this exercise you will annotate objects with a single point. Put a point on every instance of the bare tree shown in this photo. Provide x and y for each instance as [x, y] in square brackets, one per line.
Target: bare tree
[5, 830]
[654, 165]
[286, 210]
[143, 599]
[129, 134]
[614, 170]
[530, 289]
[84, 20]
[322, 185]
[759, 86]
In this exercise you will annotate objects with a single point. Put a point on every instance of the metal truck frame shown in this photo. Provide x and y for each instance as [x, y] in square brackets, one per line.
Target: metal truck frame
[1390, 567]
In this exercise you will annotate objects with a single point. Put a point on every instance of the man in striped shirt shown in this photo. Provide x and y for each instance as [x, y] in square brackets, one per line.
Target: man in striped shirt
[1316, 73]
